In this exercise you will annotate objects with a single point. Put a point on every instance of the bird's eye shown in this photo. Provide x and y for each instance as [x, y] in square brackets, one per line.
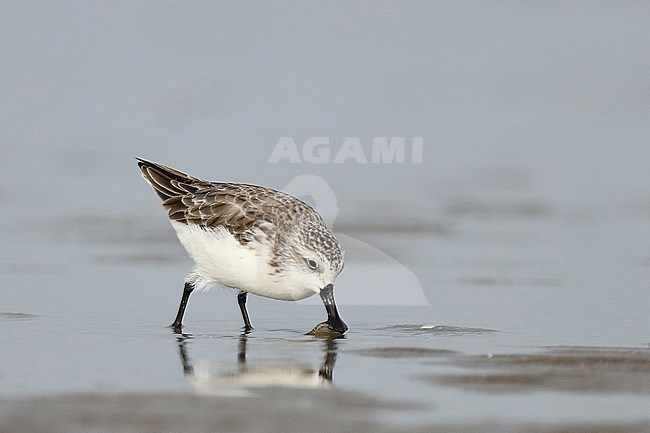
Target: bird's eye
[312, 263]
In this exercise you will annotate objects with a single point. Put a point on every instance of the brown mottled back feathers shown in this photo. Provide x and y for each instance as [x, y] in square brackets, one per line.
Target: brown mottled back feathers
[237, 207]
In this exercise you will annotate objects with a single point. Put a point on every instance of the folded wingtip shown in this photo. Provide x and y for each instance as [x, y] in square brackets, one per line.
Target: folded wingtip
[142, 161]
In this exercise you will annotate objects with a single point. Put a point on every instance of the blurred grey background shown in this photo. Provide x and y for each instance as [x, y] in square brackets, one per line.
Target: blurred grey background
[535, 180]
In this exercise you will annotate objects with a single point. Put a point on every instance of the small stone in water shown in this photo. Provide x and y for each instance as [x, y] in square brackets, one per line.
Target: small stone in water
[324, 330]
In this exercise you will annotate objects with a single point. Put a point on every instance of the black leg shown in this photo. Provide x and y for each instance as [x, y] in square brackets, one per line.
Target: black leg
[178, 322]
[241, 299]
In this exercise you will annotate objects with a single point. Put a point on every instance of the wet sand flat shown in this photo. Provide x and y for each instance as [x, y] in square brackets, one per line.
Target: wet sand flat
[275, 411]
[579, 369]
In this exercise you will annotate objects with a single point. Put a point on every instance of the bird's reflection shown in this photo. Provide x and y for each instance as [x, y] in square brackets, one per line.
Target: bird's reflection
[182, 339]
[240, 378]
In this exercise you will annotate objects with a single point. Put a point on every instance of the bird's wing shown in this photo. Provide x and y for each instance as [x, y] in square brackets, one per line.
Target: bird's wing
[239, 208]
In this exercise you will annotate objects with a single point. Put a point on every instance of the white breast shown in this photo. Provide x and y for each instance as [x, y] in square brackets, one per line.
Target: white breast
[220, 259]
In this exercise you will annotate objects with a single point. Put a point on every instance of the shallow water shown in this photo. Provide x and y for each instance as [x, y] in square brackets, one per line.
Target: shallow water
[412, 372]
[517, 337]
[512, 339]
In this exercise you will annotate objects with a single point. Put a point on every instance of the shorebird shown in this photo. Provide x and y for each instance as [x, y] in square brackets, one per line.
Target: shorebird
[252, 239]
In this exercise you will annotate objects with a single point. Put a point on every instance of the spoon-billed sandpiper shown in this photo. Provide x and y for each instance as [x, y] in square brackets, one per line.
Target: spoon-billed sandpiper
[250, 238]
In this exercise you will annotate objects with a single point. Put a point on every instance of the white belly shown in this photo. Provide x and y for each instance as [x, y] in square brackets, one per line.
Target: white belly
[220, 259]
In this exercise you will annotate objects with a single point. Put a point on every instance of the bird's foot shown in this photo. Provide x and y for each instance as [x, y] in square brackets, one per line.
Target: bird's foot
[177, 328]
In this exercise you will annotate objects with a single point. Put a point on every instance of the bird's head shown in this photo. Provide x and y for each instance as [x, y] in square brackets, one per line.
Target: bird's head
[315, 255]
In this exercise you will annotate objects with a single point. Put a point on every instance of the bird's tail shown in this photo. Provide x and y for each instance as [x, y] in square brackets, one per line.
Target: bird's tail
[166, 181]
